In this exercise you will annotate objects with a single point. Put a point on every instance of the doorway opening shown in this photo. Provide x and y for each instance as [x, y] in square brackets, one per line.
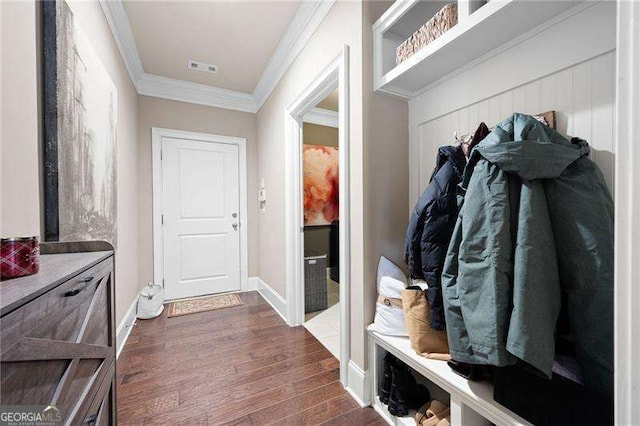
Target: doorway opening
[331, 82]
[321, 215]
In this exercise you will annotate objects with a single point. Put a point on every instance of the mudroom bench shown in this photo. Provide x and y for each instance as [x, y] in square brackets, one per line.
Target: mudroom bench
[471, 403]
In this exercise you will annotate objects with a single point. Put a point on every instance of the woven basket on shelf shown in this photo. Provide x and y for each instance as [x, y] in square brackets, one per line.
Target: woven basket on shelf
[440, 23]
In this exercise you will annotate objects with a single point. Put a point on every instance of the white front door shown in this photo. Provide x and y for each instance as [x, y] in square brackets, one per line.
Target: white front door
[200, 204]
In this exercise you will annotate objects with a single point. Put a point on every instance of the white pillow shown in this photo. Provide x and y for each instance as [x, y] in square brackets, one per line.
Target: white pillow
[390, 320]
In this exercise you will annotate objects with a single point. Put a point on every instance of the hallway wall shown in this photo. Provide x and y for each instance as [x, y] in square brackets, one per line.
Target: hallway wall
[19, 106]
[156, 112]
[379, 186]
[386, 175]
[21, 211]
[342, 26]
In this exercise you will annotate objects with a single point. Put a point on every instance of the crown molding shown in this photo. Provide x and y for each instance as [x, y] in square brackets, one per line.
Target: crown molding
[202, 94]
[305, 22]
[121, 29]
[302, 26]
[321, 117]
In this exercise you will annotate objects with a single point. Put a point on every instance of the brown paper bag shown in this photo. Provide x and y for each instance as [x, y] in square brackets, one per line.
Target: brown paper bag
[425, 341]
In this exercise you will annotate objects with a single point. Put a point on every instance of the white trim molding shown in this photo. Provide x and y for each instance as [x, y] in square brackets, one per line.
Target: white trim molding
[126, 325]
[335, 75]
[322, 117]
[272, 297]
[359, 384]
[186, 91]
[307, 19]
[627, 227]
[118, 21]
[252, 283]
[304, 23]
[156, 158]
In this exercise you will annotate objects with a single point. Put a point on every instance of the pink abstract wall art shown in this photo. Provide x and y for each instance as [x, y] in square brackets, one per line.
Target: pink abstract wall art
[320, 166]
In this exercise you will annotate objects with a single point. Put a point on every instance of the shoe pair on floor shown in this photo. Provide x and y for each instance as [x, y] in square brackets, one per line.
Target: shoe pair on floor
[399, 388]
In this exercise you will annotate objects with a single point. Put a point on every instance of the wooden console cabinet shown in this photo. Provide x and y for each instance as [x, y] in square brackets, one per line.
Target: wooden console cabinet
[57, 334]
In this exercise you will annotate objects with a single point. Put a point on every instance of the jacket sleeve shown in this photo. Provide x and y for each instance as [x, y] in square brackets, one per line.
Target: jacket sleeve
[411, 249]
[439, 222]
[412, 254]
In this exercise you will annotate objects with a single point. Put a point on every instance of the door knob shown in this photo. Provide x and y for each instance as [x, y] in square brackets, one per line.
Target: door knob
[234, 215]
[235, 226]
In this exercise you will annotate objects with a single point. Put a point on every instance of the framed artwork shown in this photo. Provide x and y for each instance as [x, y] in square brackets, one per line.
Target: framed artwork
[80, 113]
[321, 184]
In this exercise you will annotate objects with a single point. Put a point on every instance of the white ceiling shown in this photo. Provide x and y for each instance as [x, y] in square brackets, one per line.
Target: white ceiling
[237, 36]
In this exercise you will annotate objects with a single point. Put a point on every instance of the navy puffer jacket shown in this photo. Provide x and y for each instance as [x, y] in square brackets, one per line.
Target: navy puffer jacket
[431, 225]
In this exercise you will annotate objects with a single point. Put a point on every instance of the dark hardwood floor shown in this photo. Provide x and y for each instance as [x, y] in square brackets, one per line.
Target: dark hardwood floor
[235, 366]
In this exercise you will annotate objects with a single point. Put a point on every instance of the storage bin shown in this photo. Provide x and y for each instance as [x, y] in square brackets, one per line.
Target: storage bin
[440, 23]
[315, 282]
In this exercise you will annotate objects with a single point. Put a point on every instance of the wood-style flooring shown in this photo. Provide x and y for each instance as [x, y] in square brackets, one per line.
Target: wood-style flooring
[235, 366]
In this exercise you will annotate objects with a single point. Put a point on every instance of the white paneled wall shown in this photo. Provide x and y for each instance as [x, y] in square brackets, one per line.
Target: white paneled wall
[583, 97]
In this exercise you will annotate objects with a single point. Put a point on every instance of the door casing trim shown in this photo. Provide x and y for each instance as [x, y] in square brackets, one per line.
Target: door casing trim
[627, 207]
[336, 74]
[157, 133]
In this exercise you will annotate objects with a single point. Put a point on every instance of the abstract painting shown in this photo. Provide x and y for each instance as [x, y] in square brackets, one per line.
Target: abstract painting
[80, 102]
[320, 167]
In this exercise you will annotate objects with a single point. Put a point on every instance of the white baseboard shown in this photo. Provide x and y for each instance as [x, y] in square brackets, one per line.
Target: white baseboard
[272, 297]
[124, 329]
[252, 283]
[358, 384]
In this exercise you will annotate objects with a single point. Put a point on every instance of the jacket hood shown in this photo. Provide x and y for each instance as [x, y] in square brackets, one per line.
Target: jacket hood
[453, 155]
[524, 146]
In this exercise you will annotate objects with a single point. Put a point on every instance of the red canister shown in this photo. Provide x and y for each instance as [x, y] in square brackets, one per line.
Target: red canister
[19, 257]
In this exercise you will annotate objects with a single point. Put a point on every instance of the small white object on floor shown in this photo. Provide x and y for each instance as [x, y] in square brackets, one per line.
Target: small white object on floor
[326, 328]
[150, 302]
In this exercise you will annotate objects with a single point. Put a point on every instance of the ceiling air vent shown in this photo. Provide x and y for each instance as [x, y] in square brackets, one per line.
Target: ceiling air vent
[201, 66]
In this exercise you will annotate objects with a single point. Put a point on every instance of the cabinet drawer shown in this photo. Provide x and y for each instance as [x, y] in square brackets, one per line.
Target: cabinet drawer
[60, 313]
[58, 348]
[101, 411]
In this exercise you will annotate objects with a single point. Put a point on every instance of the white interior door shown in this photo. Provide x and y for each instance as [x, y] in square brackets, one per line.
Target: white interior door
[200, 206]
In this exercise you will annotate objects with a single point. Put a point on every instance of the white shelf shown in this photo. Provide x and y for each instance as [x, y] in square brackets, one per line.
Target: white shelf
[481, 31]
[478, 396]
[390, 418]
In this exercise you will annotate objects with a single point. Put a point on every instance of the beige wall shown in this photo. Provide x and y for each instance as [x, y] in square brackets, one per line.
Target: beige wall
[19, 128]
[314, 134]
[386, 156]
[342, 26]
[155, 112]
[386, 174]
[316, 241]
[21, 209]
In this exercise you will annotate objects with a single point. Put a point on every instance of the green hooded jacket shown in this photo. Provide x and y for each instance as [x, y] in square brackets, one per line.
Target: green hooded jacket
[536, 222]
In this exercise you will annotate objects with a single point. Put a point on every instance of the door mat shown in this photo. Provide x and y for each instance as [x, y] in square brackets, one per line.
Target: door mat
[202, 304]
